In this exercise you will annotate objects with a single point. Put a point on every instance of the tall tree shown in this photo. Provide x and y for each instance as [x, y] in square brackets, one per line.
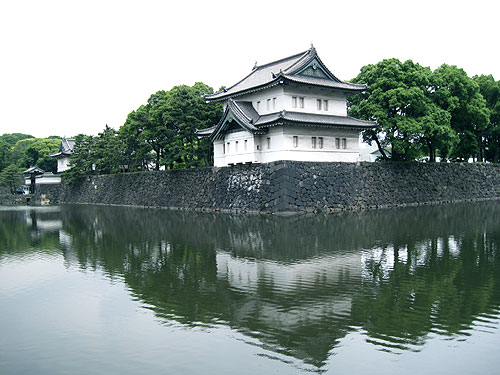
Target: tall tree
[454, 91]
[38, 154]
[490, 90]
[399, 99]
[82, 159]
[137, 152]
[107, 152]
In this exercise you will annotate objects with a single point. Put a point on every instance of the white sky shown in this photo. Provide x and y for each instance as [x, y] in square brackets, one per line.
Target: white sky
[69, 67]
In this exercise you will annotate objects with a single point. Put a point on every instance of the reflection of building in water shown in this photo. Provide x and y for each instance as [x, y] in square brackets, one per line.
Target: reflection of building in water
[293, 304]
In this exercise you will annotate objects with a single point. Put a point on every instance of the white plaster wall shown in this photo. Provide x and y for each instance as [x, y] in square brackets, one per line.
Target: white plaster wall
[44, 180]
[283, 94]
[233, 155]
[282, 146]
[262, 96]
[336, 100]
[62, 164]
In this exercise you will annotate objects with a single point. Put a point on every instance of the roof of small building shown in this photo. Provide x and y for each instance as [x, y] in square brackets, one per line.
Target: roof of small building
[33, 170]
[66, 148]
[247, 117]
[303, 68]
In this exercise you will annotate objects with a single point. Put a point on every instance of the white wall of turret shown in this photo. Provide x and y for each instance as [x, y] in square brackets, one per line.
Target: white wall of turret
[301, 143]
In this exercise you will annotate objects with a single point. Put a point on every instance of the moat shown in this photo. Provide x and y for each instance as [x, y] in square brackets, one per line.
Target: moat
[107, 290]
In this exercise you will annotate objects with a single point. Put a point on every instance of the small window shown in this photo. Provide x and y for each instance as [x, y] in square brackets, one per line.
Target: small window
[295, 141]
[258, 106]
[274, 103]
[268, 104]
[301, 102]
[268, 143]
[313, 142]
[318, 103]
[344, 143]
[294, 102]
[325, 105]
[337, 143]
[223, 148]
[227, 148]
[245, 144]
[320, 142]
[236, 146]
[258, 147]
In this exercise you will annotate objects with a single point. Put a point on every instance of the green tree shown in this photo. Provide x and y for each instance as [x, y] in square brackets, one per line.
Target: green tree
[184, 111]
[38, 153]
[11, 176]
[5, 150]
[454, 91]
[82, 159]
[399, 99]
[490, 90]
[166, 124]
[137, 152]
[107, 152]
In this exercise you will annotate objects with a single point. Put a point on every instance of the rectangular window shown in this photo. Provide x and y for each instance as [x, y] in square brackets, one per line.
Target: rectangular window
[227, 148]
[274, 103]
[318, 103]
[236, 146]
[344, 143]
[223, 148]
[313, 142]
[246, 142]
[301, 102]
[258, 106]
[295, 141]
[337, 143]
[268, 104]
[325, 105]
[268, 143]
[294, 102]
[320, 142]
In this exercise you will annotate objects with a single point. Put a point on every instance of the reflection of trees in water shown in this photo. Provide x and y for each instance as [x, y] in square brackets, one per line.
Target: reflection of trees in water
[21, 231]
[299, 284]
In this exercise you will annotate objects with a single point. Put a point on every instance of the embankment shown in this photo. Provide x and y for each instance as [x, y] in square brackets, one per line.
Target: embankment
[288, 186]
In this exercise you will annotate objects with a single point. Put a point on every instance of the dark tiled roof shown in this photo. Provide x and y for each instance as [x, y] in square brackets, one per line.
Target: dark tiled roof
[326, 83]
[271, 74]
[312, 119]
[66, 148]
[249, 119]
[33, 170]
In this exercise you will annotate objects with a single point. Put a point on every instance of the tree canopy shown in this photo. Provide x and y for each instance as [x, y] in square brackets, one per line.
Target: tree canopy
[420, 112]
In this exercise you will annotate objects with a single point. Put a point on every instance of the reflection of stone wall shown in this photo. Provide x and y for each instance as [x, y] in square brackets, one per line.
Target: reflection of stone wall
[290, 186]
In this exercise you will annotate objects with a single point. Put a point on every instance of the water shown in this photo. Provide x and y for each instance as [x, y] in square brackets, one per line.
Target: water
[110, 290]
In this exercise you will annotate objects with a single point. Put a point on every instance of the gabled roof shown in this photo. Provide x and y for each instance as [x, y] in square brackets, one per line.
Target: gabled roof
[242, 112]
[302, 68]
[33, 170]
[245, 116]
[66, 148]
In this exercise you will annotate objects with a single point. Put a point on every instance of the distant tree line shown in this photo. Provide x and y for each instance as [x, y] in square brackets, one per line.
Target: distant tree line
[423, 113]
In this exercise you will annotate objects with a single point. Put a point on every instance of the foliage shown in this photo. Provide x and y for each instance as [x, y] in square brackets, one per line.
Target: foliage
[490, 90]
[423, 112]
[11, 176]
[162, 131]
[38, 154]
[81, 160]
[458, 94]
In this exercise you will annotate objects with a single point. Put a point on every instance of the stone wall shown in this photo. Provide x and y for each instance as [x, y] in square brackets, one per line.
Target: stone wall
[288, 186]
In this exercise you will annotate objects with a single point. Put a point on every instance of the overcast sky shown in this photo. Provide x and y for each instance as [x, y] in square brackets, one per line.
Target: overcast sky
[69, 67]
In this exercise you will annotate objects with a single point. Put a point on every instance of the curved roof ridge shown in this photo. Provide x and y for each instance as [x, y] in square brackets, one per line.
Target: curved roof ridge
[281, 60]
